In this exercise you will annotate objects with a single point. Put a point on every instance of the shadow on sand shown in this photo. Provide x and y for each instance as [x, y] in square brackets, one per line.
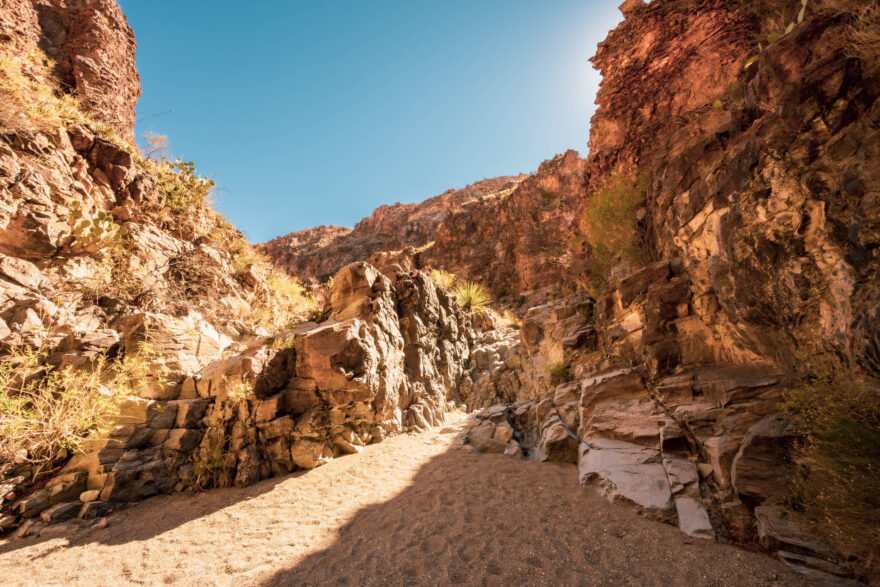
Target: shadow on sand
[493, 520]
[452, 518]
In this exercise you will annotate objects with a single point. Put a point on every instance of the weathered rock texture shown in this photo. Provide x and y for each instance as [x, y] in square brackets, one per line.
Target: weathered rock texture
[762, 199]
[760, 221]
[392, 234]
[520, 243]
[388, 360]
[95, 266]
[93, 49]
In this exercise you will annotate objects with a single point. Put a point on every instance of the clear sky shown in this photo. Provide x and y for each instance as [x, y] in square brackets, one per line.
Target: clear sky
[310, 113]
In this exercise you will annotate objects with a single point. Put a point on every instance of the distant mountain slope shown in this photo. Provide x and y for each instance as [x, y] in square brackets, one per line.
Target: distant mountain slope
[317, 253]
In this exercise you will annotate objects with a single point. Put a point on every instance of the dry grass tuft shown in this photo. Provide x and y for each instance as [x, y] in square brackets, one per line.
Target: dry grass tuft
[471, 295]
[29, 100]
[46, 412]
[442, 278]
[840, 461]
[863, 27]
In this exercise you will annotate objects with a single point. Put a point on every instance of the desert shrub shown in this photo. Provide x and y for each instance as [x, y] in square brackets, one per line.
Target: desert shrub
[471, 295]
[208, 470]
[560, 371]
[840, 463]
[282, 303]
[863, 27]
[184, 190]
[189, 277]
[24, 90]
[156, 146]
[238, 392]
[28, 98]
[442, 278]
[511, 319]
[612, 226]
[243, 257]
[46, 412]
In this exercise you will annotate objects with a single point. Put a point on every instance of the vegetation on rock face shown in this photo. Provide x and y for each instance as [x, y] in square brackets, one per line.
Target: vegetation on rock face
[28, 100]
[46, 412]
[863, 27]
[612, 226]
[442, 278]
[840, 463]
[560, 371]
[190, 259]
[471, 295]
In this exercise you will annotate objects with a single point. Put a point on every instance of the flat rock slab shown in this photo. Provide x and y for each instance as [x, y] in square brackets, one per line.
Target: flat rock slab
[693, 519]
[628, 472]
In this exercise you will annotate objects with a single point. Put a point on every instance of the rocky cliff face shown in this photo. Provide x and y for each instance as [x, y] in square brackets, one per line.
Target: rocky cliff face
[116, 278]
[761, 198]
[523, 242]
[388, 360]
[391, 234]
[774, 222]
[759, 229]
[92, 47]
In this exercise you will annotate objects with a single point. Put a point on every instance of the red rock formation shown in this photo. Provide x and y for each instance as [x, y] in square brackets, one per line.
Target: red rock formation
[664, 60]
[518, 242]
[318, 253]
[92, 46]
[761, 210]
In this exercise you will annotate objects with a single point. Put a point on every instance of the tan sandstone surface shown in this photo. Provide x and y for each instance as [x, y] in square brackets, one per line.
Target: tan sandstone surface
[414, 509]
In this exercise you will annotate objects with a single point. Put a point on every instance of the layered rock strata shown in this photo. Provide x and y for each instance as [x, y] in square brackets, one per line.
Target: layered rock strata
[652, 415]
[388, 360]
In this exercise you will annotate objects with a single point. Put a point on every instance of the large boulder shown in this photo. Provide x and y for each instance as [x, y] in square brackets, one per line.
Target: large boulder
[628, 472]
[763, 467]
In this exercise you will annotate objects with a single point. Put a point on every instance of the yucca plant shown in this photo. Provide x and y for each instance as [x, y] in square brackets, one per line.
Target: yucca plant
[471, 295]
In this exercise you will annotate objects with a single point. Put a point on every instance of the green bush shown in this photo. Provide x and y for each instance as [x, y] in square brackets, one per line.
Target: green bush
[839, 489]
[612, 227]
[560, 371]
[471, 295]
[183, 188]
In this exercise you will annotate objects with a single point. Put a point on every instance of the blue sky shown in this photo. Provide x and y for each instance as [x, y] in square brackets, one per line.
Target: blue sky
[310, 113]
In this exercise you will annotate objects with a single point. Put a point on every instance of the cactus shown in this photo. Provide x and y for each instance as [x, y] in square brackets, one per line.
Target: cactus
[90, 234]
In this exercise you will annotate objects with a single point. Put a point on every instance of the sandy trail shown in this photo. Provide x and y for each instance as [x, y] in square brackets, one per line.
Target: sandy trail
[411, 510]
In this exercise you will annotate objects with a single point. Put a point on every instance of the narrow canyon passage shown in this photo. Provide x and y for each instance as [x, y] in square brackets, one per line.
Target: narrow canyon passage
[414, 509]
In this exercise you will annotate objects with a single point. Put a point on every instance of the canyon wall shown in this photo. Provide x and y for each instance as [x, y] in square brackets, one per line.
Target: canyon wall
[662, 383]
[93, 50]
[392, 234]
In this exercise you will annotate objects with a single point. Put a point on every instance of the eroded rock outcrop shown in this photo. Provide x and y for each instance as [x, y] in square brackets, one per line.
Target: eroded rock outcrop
[662, 386]
[761, 199]
[389, 359]
[392, 234]
[93, 49]
[653, 415]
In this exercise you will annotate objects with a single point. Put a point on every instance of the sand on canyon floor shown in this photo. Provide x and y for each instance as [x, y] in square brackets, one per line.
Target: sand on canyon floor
[411, 510]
